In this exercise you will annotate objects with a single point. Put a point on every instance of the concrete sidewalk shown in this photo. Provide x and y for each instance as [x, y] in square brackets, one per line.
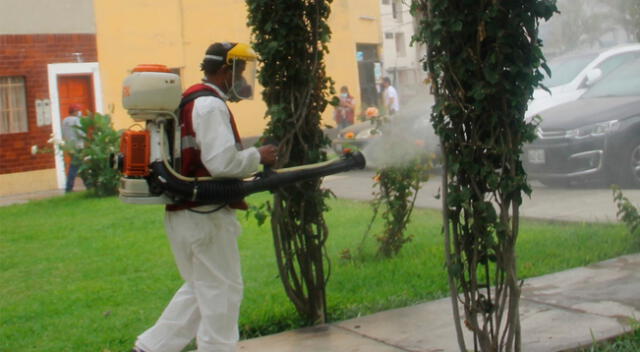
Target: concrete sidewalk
[572, 204]
[560, 311]
[23, 198]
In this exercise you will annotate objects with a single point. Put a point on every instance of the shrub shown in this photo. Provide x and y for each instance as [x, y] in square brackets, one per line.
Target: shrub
[627, 213]
[397, 189]
[100, 142]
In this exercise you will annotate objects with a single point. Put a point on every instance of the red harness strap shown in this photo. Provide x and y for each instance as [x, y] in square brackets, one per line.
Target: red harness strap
[192, 165]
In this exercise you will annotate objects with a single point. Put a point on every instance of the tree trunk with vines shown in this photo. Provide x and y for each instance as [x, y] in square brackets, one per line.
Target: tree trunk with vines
[484, 59]
[291, 37]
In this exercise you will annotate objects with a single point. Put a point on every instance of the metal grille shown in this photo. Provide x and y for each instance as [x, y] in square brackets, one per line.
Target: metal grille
[554, 134]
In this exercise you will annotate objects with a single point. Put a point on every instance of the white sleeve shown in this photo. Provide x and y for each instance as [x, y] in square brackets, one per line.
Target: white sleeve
[214, 137]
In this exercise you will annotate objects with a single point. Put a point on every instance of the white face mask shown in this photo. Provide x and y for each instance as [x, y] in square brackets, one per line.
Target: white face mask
[345, 95]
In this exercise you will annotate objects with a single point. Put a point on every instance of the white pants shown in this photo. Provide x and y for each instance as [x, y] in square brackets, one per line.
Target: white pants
[207, 305]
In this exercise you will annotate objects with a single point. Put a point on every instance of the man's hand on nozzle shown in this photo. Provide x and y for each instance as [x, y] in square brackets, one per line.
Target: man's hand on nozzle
[268, 154]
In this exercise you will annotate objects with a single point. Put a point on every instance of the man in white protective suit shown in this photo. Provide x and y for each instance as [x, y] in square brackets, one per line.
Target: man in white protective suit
[204, 237]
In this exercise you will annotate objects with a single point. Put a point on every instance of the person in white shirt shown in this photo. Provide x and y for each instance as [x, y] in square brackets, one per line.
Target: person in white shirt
[204, 237]
[391, 102]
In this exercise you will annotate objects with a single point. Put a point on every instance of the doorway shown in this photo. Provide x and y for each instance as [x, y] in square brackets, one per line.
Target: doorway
[74, 89]
[71, 83]
[367, 56]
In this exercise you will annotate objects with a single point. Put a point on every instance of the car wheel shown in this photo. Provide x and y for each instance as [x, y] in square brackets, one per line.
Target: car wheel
[630, 176]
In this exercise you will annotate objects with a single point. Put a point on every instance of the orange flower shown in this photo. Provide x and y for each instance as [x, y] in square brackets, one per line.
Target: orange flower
[376, 178]
[350, 135]
[346, 151]
[371, 112]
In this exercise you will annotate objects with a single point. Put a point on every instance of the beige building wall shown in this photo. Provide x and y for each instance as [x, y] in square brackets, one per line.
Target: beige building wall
[177, 32]
[46, 16]
[27, 182]
[352, 22]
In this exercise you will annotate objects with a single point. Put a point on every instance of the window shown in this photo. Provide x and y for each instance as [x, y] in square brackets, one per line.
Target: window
[388, 35]
[13, 105]
[396, 9]
[400, 47]
[614, 62]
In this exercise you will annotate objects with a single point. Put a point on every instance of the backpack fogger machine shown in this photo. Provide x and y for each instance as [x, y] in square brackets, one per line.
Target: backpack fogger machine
[149, 157]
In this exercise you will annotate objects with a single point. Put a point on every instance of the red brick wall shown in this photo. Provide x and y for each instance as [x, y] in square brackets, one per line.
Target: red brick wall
[28, 56]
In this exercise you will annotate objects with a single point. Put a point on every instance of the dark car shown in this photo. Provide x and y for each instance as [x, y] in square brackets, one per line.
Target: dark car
[596, 137]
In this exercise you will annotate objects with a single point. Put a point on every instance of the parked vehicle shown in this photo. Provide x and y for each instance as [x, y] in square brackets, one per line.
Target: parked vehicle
[573, 74]
[594, 137]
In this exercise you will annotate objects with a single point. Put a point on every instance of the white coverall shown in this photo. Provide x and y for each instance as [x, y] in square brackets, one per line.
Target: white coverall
[205, 248]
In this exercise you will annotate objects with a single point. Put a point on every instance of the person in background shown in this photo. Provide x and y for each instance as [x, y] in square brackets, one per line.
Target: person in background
[345, 111]
[390, 97]
[72, 136]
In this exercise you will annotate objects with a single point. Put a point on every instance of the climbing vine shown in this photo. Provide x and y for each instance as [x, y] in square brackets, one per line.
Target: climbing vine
[291, 39]
[484, 59]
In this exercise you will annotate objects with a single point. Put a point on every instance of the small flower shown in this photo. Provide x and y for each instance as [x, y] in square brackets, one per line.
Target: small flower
[87, 158]
[349, 135]
[34, 149]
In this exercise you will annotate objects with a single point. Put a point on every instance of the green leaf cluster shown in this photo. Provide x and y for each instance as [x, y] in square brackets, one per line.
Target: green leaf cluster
[100, 142]
[627, 213]
[397, 189]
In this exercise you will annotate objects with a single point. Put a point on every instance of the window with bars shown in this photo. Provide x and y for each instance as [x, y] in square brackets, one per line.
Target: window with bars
[13, 105]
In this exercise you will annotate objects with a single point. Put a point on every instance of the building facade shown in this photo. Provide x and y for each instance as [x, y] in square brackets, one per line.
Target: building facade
[47, 60]
[53, 53]
[176, 33]
[401, 60]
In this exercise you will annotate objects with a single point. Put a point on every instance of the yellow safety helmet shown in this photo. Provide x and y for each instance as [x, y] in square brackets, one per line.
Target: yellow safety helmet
[241, 51]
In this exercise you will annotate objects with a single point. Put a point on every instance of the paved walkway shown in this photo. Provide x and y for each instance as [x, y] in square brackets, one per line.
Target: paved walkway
[26, 197]
[560, 311]
[573, 204]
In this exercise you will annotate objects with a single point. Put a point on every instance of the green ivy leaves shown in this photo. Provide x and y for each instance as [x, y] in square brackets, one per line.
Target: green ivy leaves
[484, 59]
[101, 141]
[291, 39]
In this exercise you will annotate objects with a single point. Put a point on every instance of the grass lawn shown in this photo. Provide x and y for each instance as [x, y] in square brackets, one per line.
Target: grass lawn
[626, 343]
[85, 274]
